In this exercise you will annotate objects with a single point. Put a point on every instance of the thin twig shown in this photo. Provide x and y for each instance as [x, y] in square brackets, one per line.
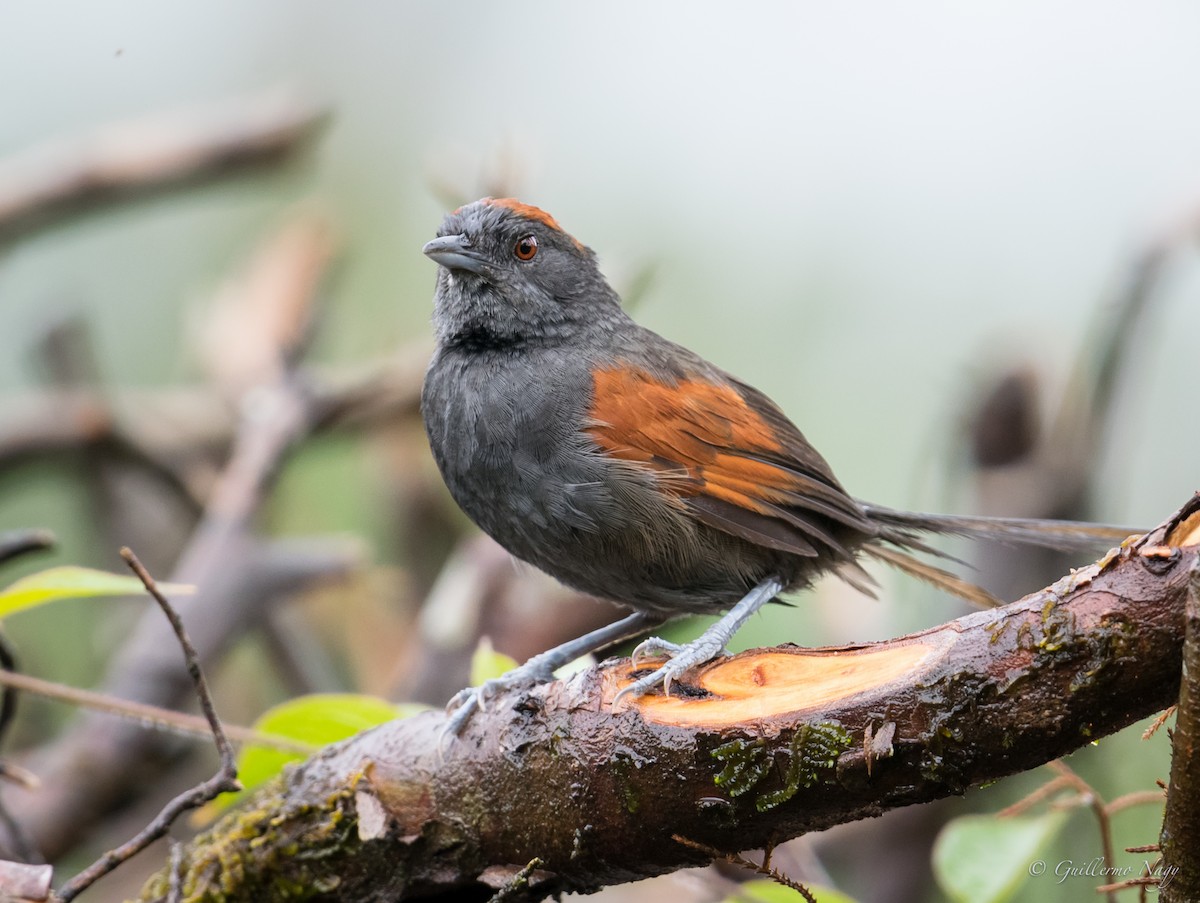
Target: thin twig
[1127, 884]
[1159, 722]
[150, 715]
[225, 780]
[742, 862]
[241, 576]
[1044, 792]
[1137, 798]
[224, 748]
[1096, 803]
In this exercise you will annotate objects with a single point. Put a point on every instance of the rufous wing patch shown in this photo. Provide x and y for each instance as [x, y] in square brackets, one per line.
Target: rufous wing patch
[730, 465]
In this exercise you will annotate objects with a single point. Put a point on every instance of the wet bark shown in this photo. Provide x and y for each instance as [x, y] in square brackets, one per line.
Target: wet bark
[755, 749]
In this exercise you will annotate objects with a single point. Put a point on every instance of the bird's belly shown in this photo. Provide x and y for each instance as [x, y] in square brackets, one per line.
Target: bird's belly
[517, 460]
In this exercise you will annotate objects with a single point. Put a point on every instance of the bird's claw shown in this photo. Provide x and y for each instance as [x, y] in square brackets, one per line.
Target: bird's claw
[466, 702]
[652, 647]
[683, 659]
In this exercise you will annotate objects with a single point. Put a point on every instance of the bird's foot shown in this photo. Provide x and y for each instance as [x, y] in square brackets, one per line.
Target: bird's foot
[539, 669]
[683, 658]
[654, 647]
[704, 648]
[466, 703]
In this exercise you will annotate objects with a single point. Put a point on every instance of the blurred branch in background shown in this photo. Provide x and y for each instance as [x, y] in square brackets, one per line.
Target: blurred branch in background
[1021, 469]
[1026, 464]
[225, 780]
[99, 761]
[183, 472]
[161, 152]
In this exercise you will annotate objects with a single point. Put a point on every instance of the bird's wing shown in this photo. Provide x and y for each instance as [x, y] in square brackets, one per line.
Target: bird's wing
[729, 454]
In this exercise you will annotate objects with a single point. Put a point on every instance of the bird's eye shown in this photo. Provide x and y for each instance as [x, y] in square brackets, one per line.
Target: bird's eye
[526, 247]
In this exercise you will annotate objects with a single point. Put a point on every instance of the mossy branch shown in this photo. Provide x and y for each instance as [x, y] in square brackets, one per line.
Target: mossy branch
[760, 747]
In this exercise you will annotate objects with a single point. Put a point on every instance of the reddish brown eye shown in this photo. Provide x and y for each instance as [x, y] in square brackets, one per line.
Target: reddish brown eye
[526, 248]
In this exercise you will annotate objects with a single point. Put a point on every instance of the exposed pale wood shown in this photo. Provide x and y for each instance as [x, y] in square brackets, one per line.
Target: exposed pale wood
[782, 684]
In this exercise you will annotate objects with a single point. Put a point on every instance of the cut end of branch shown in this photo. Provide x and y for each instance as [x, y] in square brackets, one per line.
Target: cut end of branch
[775, 684]
[1186, 532]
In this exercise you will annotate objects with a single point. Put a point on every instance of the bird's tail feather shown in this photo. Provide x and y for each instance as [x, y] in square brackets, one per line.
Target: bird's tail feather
[934, 576]
[904, 528]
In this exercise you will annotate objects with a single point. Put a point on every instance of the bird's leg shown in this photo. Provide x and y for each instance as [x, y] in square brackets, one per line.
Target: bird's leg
[542, 666]
[705, 647]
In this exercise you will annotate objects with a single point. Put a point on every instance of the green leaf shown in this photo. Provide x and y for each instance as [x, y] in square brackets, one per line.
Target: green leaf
[74, 583]
[487, 663]
[764, 890]
[317, 720]
[985, 859]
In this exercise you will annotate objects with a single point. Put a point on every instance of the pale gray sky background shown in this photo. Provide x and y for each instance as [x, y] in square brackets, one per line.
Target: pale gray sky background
[858, 207]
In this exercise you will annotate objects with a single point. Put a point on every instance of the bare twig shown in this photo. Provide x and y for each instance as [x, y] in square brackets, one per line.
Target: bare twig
[224, 781]
[224, 558]
[1044, 792]
[1089, 797]
[763, 868]
[1158, 722]
[1110, 889]
[149, 715]
[1137, 798]
[1086, 795]
[15, 774]
[164, 151]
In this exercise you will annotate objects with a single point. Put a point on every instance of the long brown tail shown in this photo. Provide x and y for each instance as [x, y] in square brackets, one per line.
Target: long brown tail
[905, 529]
[1065, 535]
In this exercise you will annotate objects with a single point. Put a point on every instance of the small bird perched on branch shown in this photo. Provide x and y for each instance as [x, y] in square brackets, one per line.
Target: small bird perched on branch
[629, 467]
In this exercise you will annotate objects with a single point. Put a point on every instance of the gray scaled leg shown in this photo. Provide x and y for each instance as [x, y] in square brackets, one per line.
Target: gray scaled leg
[542, 666]
[705, 647]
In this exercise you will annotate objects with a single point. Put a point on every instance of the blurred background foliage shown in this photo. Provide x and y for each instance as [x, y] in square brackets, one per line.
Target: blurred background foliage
[874, 213]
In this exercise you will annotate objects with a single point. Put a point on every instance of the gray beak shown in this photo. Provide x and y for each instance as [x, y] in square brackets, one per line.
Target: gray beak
[454, 252]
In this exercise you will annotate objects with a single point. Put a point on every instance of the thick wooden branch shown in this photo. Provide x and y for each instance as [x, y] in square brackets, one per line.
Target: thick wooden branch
[755, 749]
